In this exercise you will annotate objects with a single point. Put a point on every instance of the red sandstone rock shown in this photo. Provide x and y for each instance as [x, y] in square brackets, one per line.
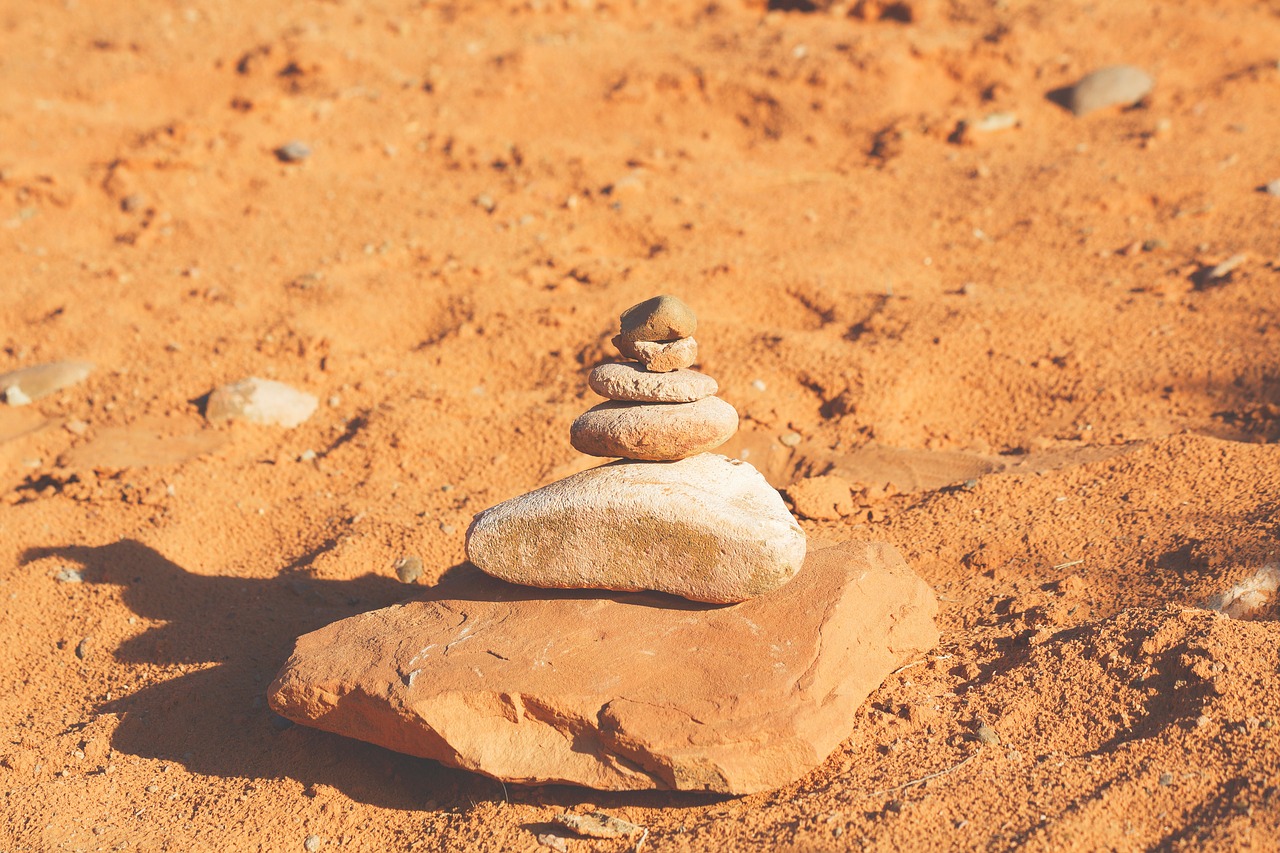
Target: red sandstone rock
[622, 693]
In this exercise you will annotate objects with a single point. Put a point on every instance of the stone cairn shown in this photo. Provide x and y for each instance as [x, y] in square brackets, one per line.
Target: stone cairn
[668, 516]
[628, 692]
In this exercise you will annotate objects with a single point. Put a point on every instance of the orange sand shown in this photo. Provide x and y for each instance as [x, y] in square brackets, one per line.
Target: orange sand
[489, 185]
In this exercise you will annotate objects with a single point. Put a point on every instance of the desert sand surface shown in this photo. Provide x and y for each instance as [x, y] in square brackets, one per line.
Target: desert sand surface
[1016, 344]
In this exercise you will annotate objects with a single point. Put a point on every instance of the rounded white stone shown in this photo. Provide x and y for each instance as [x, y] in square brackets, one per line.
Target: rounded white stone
[706, 528]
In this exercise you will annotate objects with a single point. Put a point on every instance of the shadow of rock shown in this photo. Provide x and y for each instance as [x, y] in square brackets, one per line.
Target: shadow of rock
[219, 642]
[214, 720]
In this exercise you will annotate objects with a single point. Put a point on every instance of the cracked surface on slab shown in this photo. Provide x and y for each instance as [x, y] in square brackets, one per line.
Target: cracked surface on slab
[626, 692]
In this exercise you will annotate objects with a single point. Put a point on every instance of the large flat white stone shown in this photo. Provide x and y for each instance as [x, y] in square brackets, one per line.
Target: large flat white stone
[706, 528]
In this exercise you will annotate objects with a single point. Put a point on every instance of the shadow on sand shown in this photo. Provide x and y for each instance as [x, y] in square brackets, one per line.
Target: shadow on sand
[214, 720]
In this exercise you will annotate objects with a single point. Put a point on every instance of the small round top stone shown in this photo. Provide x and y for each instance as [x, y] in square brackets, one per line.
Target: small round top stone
[662, 318]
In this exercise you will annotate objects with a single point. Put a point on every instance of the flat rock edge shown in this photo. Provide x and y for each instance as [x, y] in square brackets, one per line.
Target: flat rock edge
[814, 727]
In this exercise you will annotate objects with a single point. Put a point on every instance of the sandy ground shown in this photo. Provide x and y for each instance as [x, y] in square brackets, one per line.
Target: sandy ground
[1010, 340]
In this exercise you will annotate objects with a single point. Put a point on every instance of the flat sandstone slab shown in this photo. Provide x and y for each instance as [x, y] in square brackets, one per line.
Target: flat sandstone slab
[706, 528]
[627, 693]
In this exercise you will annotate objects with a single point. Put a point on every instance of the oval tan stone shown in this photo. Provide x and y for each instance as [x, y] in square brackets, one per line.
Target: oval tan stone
[631, 382]
[1118, 85]
[705, 528]
[656, 432]
[660, 357]
[20, 387]
[662, 318]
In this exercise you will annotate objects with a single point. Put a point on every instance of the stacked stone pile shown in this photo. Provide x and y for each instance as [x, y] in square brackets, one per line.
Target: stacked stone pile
[659, 410]
[668, 516]
[635, 691]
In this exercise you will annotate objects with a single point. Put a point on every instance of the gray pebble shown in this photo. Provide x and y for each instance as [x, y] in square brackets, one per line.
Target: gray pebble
[1166, 779]
[986, 734]
[293, 152]
[1118, 85]
[82, 648]
[69, 576]
[312, 843]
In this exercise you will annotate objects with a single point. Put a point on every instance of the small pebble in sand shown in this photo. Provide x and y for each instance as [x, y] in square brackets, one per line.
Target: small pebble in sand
[293, 152]
[791, 439]
[598, 825]
[1225, 268]
[312, 843]
[987, 735]
[555, 842]
[261, 401]
[20, 387]
[82, 648]
[1166, 779]
[758, 384]
[447, 529]
[69, 576]
[1117, 85]
[1272, 188]
[408, 569]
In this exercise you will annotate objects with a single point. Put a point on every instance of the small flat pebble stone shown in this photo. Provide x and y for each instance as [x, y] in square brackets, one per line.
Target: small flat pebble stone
[660, 356]
[1117, 85]
[1272, 188]
[408, 569]
[261, 401]
[631, 382]
[662, 318]
[656, 432]
[293, 152]
[20, 387]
